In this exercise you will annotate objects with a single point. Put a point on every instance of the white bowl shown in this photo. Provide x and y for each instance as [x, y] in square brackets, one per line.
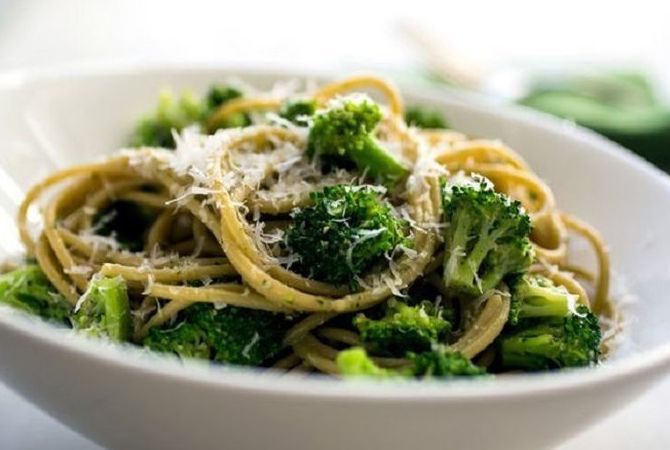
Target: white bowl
[124, 398]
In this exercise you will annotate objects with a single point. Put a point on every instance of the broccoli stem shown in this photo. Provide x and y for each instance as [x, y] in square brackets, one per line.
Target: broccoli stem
[107, 309]
[117, 308]
[370, 156]
[535, 296]
[493, 276]
[466, 271]
[485, 243]
[530, 352]
[455, 249]
[544, 303]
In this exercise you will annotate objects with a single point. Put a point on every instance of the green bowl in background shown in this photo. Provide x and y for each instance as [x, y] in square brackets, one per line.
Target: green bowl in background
[621, 105]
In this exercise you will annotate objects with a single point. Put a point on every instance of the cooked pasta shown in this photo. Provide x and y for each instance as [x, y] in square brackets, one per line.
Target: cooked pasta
[215, 224]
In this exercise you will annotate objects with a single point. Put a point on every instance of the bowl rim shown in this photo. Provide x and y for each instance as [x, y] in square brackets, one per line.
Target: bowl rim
[648, 362]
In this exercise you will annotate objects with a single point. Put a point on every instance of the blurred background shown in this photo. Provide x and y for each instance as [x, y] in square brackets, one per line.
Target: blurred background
[603, 64]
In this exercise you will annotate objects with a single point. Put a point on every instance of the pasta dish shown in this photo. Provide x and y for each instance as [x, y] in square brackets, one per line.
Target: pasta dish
[326, 229]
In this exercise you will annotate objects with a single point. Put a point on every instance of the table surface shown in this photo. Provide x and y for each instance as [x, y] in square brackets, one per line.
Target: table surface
[99, 30]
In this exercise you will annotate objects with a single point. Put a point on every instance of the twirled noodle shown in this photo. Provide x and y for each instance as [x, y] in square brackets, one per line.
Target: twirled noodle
[486, 327]
[222, 209]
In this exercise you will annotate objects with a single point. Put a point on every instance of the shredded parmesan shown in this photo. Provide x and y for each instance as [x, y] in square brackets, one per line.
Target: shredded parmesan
[250, 345]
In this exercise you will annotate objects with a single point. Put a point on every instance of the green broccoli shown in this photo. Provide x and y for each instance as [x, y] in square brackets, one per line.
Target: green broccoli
[105, 310]
[487, 237]
[422, 117]
[28, 289]
[355, 362]
[344, 131]
[220, 94]
[217, 96]
[126, 221]
[231, 335]
[536, 296]
[542, 344]
[403, 329]
[346, 231]
[183, 339]
[439, 363]
[156, 130]
[298, 111]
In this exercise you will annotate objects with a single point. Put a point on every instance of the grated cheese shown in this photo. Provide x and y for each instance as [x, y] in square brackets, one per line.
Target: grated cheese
[250, 345]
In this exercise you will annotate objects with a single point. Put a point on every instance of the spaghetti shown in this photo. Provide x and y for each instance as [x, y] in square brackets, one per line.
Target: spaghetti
[220, 204]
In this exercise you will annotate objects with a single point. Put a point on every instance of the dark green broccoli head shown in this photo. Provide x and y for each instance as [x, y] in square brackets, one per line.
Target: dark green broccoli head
[344, 131]
[403, 329]
[105, 310]
[542, 344]
[298, 111]
[220, 94]
[537, 296]
[438, 363]
[126, 221]
[422, 117]
[230, 335]
[156, 129]
[346, 231]
[441, 363]
[487, 237]
[28, 289]
[183, 339]
[217, 96]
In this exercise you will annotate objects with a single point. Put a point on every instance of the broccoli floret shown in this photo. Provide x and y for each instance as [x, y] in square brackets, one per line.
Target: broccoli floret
[537, 296]
[355, 362]
[156, 130]
[28, 289]
[344, 131]
[403, 329]
[439, 363]
[298, 111]
[183, 339]
[422, 117]
[344, 233]
[171, 114]
[105, 310]
[218, 96]
[126, 221]
[487, 237]
[231, 335]
[542, 344]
